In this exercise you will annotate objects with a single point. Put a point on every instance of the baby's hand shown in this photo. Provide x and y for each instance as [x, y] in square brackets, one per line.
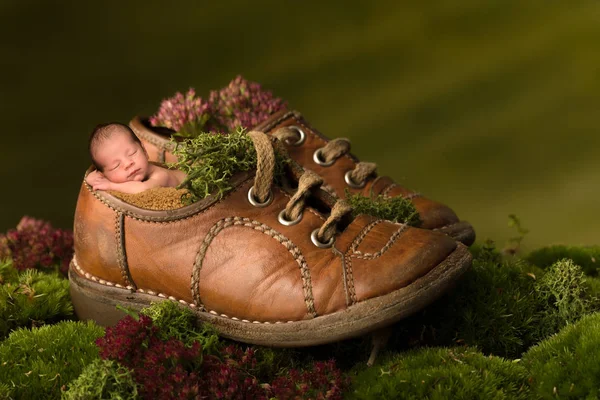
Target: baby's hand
[97, 181]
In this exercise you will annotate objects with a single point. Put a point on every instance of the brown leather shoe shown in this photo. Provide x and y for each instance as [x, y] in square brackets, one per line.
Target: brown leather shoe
[331, 160]
[265, 264]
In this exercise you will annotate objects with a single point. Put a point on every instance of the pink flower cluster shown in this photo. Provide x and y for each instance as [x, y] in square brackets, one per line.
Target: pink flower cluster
[322, 381]
[36, 244]
[243, 103]
[240, 104]
[167, 369]
[170, 370]
[182, 112]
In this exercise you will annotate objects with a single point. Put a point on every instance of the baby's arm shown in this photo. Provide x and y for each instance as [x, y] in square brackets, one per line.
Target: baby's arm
[99, 182]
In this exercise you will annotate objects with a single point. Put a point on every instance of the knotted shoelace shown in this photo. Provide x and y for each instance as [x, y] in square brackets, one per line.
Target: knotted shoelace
[333, 150]
[263, 181]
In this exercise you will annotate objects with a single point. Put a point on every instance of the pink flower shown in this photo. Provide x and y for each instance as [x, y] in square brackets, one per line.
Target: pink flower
[240, 104]
[36, 244]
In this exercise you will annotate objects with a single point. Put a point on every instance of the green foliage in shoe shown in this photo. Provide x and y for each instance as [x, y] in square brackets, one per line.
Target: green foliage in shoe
[441, 373]
[563, 297]
[567, 365]
[588, 258]
[31, 298]
[103, 379]
[181, 323]
[36, 363]
[396, 209]
[210, 160]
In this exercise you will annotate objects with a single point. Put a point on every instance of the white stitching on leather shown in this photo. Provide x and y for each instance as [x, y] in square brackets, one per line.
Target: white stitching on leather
[89, 276]
[391, 241]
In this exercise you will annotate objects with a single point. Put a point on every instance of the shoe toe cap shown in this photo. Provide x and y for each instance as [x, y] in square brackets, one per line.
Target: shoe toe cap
[382, 266]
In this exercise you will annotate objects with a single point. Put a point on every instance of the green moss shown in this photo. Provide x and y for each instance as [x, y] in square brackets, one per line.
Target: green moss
[8, 274]
[567, 365]
[588, 258]
[181, 323]
[593, 287]
[493, 307]
[503, 306]
[441, 373]
[103, 379]
[37, 363]
[396, 209]
[210, 160]
[32, 298]
[563, 297]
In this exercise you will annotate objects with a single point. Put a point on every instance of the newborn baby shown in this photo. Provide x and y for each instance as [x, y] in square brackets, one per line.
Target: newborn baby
[122, 162]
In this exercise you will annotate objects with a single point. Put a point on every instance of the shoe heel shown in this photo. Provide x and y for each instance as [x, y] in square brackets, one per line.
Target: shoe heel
[93, 301]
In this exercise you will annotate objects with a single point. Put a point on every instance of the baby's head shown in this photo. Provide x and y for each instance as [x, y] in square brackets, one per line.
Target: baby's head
[118, 153]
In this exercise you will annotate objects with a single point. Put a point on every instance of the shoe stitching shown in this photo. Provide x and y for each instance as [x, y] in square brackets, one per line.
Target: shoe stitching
[347, 276]
[91, 277]
[385, 192]
[121, 252]
[359, 238]
[350, 275]
[258, 226]
[410, 196]
[391, 241]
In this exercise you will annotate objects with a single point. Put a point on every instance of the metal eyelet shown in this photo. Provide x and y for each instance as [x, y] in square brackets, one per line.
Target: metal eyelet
[351, 183]
[284, 221]
[317, 158]
[302, 136]
[318, 243]
[255, 202]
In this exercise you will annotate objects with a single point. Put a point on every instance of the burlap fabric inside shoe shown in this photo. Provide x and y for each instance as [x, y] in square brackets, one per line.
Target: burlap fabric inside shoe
[161, 198]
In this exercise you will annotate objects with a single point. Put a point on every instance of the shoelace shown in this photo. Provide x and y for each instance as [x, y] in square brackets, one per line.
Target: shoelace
[261, 195]
[327, 155]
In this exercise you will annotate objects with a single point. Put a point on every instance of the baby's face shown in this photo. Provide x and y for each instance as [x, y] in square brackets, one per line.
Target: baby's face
[122, 159]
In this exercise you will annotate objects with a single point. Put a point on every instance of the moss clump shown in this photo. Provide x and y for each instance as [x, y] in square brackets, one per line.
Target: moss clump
[37, 363]
[501, 306]
[493, 307]
[103, 379]
[174, 321]
[8, 273]
[31, 298]
[563, 297]
[588, 258]
[211, 159]
[441, 373]
[567, 365]
[593, 287]
[396, 209]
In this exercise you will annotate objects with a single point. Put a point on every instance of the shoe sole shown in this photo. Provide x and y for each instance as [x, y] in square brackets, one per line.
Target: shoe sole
[98, 300]
[461, 232]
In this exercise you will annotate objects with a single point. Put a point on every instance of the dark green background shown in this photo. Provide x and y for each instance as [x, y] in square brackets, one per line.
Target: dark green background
[491, 107]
